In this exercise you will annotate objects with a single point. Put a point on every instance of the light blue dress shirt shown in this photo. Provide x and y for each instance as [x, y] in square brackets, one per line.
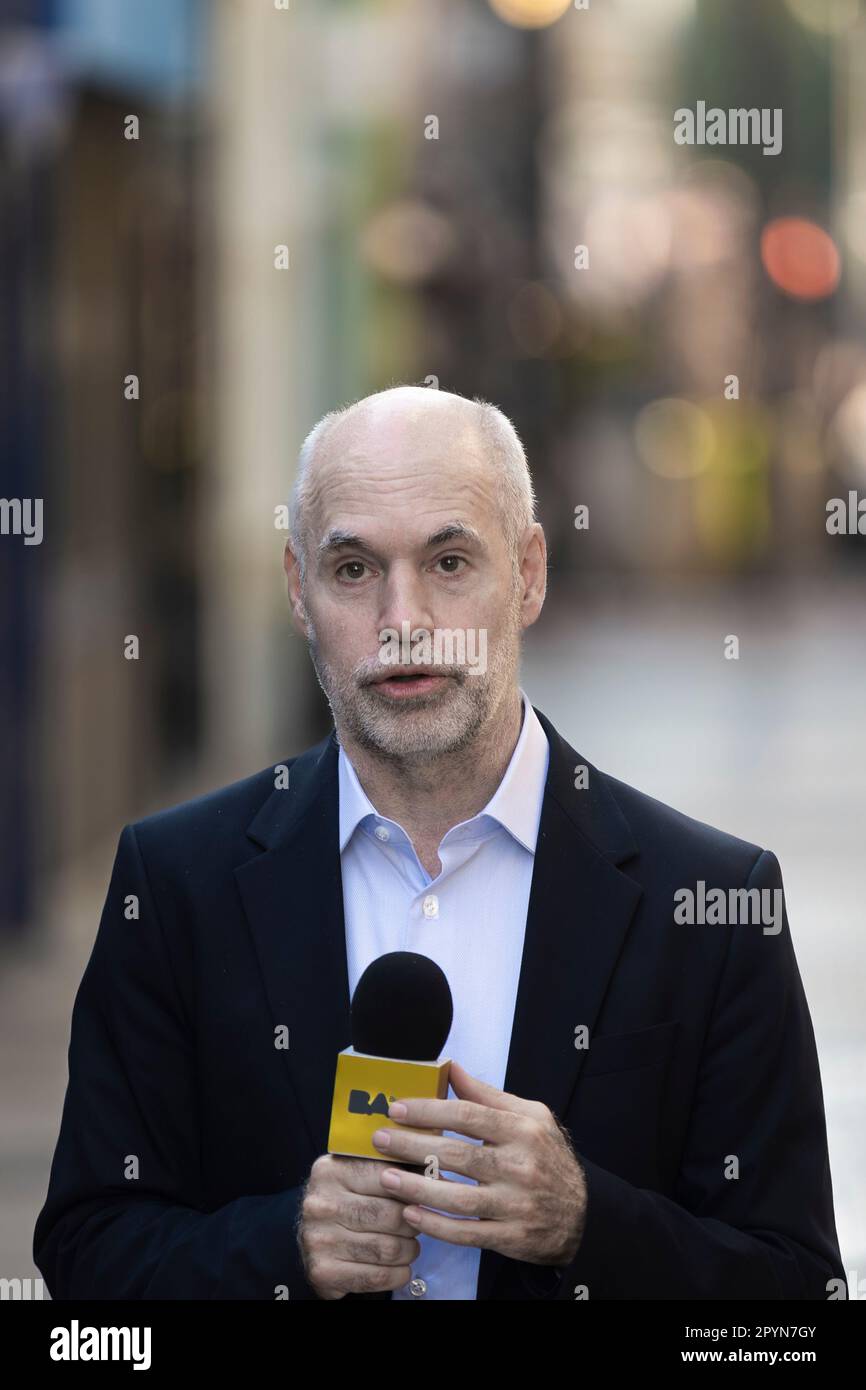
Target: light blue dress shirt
[470, 919]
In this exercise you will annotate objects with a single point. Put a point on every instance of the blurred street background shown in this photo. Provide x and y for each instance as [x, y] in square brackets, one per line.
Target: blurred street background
[697, 380]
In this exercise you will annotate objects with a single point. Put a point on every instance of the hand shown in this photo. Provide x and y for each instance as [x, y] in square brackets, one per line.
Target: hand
[530, 1192]
[352, 1237]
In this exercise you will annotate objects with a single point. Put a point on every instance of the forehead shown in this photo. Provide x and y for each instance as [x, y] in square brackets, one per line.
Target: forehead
[410, 471]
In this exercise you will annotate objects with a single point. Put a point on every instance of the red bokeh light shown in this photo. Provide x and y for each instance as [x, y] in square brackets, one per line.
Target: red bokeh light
[800, 258]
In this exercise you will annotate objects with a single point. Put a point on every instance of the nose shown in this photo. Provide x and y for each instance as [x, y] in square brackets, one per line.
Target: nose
[405, 599]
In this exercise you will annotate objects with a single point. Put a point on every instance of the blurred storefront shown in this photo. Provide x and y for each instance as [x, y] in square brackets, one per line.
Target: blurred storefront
[433, 172]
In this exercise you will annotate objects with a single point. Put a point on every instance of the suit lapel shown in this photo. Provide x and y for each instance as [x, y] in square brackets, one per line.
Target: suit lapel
[580, 910]
[293, 899]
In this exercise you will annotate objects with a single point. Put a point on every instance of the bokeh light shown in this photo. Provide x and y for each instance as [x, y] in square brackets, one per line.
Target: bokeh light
[629, 239]
[675, 438]
[407, 241]
[530, 14]
[800, 258]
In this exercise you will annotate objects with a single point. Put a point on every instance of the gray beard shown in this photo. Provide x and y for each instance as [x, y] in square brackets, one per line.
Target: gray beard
[421, 728]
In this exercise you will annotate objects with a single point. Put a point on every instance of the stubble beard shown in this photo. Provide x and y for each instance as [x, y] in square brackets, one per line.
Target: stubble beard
[421, 728]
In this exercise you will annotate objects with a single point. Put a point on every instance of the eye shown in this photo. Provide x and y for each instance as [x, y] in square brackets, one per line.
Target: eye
[354, 566]
[451, 561]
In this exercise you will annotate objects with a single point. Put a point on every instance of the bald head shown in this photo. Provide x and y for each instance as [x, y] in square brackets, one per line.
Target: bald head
[414, 514]
[419, 431]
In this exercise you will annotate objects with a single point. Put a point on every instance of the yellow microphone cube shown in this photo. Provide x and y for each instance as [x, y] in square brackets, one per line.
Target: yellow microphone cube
[365, 1087]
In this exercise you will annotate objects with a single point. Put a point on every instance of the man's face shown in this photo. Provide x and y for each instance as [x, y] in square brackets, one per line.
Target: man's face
[404, 527]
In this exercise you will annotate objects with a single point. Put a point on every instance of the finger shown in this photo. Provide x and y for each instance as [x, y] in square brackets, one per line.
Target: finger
[472, 1088]
[452, 1155]
[444, 1194]
[358, 1175]
[355, 1278]
[379, 1215]
[461, 1116]
[485, 1234]
[378, 1249]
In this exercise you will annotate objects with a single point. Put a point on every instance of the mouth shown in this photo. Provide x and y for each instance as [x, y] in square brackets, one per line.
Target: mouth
[401, 685]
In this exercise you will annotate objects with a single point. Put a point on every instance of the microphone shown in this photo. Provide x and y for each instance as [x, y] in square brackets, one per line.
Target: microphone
[401, 1015]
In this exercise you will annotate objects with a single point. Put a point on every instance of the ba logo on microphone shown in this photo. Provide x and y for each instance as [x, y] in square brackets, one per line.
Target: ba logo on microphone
[360, 1104]
[363, 1085]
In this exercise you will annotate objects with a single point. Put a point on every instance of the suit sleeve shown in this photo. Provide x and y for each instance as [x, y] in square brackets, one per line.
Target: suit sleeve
[768, 1233]
[123, 1217]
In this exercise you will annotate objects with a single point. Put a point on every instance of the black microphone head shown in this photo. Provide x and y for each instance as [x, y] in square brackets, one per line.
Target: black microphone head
[402, 1008]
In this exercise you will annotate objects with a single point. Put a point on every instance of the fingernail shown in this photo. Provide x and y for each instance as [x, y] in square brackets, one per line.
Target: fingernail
[412, 1214]
[381, 1139]
[391, 1179]
[397, 1111]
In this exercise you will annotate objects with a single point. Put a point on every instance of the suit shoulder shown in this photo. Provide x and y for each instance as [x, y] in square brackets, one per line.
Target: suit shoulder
[660, 828]
[225, 812]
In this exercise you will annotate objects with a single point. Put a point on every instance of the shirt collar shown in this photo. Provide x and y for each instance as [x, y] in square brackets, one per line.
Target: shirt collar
[515, 805]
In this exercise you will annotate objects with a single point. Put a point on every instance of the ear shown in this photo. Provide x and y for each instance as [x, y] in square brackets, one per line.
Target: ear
[533, 569]
[296, 601]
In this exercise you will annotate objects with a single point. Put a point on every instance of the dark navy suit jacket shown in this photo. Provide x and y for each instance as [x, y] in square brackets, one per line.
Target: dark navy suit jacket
[187, 1135]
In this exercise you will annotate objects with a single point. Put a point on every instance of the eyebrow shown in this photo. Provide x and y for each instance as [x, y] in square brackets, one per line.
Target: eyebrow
[336, 540]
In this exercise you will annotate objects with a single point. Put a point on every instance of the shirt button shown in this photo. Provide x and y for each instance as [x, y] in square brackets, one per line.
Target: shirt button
[430, 905]
[382, 832]
[417, 1288]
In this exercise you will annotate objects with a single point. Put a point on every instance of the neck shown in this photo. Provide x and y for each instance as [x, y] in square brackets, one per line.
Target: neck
[428, 797]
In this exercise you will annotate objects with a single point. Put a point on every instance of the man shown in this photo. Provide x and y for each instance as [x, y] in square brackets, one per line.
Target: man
[637, 1108]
